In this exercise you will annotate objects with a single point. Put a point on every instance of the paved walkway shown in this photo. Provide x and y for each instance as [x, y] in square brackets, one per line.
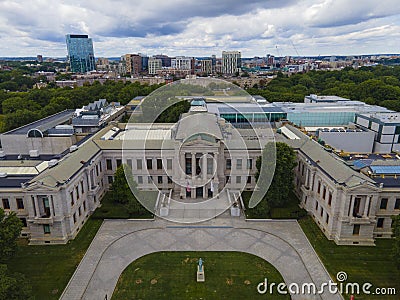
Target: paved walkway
[120, 242]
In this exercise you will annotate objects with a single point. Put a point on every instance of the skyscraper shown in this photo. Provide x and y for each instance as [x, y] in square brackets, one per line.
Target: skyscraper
[80, 53]
[231, 62]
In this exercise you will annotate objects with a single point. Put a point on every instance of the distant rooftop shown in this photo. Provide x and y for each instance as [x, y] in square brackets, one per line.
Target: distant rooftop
[45, 123]
[316, 98]
[386, 118]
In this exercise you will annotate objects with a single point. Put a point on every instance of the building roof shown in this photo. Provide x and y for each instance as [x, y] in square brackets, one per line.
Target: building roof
[330, 164]
[191, 124]
[45, 123]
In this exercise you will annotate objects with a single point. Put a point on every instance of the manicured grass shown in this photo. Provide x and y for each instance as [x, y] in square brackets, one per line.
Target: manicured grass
[362, 264]
[112, 210]
[49, 267]
[172, 275]
[290, 211]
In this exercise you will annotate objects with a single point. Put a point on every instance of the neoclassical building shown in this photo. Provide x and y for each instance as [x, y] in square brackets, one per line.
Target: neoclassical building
[201, 159]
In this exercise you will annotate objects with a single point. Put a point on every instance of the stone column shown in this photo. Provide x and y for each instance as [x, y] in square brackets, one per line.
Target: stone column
[193, 164]
[182, 167]
[307, 178]
[312, 181]
[204, 167]
[50, 198]
[37, 207]
[351, 206]
[367, 203]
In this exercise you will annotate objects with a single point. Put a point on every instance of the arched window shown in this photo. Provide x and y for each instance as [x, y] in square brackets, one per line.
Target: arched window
[32, 133]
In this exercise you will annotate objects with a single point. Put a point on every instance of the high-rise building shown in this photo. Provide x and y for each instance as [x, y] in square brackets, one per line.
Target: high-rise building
[154, 64]
[183, 63]
[231, 62]
[80, 53]
[133, 64]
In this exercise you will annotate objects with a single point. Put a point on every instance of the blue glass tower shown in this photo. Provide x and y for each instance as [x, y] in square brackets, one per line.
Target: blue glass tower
[80, 53]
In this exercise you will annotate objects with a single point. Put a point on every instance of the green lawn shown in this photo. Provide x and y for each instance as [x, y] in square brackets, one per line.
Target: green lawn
[362, 264]
[172, 275]
[111, 210]
[290, 211]
[49, 267]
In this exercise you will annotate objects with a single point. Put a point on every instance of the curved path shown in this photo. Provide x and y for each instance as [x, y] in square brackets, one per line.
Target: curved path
[118, 243]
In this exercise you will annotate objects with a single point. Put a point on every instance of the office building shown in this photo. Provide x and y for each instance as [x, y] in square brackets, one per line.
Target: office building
[80, 53]
[154, 65]
[231, 62]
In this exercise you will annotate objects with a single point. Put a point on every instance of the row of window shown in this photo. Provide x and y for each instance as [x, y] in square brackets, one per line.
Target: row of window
[19, 202]
[322, 212]
[238, 179]
[324, 195]
[140, 165]
[77, 193]
[239, 164]
[384, 203]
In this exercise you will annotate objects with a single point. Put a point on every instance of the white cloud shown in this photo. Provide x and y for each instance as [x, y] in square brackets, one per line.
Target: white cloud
[181, 27]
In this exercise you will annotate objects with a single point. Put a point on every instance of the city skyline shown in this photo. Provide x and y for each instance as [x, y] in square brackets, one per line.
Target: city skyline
[284, 28]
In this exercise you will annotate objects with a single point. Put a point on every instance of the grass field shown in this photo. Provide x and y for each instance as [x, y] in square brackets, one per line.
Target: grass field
[362, 264]
[172, 275]
[49, 267]
[290, 211]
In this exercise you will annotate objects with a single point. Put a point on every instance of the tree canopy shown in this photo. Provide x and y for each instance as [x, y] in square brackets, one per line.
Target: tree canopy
[10, 229]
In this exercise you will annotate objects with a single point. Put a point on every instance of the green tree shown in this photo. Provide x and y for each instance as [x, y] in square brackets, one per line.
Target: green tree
[396, 235]
[13, 287]
[10, 230]
[121, 190]
[282, 181]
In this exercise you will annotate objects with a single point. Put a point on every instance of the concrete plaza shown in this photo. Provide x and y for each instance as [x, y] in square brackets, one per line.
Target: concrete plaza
[119, 242]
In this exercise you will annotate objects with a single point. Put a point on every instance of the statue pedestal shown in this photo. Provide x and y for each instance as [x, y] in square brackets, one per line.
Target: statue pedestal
[200, 274]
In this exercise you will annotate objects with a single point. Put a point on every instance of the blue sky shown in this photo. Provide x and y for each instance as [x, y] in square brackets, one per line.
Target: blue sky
[202, 27]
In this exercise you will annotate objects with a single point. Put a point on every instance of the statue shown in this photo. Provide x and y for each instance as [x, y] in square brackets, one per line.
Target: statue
[200, 265]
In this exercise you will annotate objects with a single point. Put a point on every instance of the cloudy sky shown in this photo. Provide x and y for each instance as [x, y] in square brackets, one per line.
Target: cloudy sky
[202, 27]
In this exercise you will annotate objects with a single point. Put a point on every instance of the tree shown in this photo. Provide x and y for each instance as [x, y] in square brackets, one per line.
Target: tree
[10, 230]
[13, 287]
[282, 181]
[396, 235]
[121, 190]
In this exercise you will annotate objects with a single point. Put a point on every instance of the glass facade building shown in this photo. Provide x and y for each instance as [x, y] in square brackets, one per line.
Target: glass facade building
[80, 53]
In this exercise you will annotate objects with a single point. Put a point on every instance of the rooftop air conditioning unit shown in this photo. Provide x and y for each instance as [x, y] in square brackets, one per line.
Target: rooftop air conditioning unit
[73, 148]
[53, 163]
[34, 153]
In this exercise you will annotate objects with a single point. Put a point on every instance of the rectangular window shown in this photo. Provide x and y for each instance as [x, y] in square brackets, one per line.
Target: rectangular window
[159, 164]
[324, 193]
[46, 229]
[169, 180]
[109, 164]
[169, 164]
[327, 219]
[316, 205]
[319, 187]
[238, 179]
[82, 188]
[129, 163]
[228, 164]
[101, 166]
[110, 179]
[149, 163]
[379, 223]
[74, 216]
[249, 163]
[384, 202]
[140, 179]
[79, 211]
[210, 163]
[77, 192]
[24, 223]
[20, 203]
[397, 204]
[356, 229]
[71, 195]
[322, 212]
[248, 179]
[159, 180]
[228, 179]
[139, 164]
[119, 162]
[97, 170]
[239, 164]
[6, 203]
[84, 205]
[330, 199]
